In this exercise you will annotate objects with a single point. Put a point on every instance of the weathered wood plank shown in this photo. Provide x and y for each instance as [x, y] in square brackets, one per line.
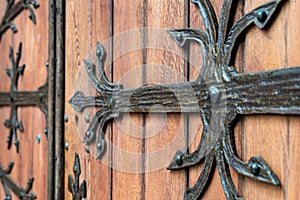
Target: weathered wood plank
[265, 135]
[127, 151]
[291, 162]
[77, 34]
[165, 133]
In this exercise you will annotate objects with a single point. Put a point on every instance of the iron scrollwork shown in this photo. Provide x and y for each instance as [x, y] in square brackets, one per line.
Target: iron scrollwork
[78, 191]
[9, 184]
[222, 94]
[12, 10]
[15, 98]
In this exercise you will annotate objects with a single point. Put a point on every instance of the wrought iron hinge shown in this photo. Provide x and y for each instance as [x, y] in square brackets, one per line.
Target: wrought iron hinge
[220, 95]
[15, 98]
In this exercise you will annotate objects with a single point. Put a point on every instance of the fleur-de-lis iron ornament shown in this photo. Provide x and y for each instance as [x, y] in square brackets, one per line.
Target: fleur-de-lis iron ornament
[12, 10]
[9, 184]
[222, 94]
[15, 98]
[78, 191]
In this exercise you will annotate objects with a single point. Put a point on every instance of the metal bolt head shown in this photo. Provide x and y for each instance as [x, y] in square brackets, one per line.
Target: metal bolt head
[7, 197]
[38, 138]
[98, 52]
[179, 160]
[87, 118]
[255, 169]
[262, 15]
[179, 38]
[66, 146]
[66, 118]
[88, 134]
[99, 145]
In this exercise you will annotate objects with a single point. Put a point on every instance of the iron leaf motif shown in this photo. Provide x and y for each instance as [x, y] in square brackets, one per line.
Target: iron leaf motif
[222, 94]
[12, 10]
[9, 184]
[78, 191]
[15, 98]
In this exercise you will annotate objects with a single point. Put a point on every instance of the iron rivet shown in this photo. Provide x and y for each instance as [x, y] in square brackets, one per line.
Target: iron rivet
[38, 138]
[179, 160]
[255, 169]
[87, 118]
[179, 38]
[67, 146]
[99, 145]
[45, 131]
[262, 15]
[215, 94]
[41, 96]
[66, 118]
[88, 133]
[98, 52]
[7, 197]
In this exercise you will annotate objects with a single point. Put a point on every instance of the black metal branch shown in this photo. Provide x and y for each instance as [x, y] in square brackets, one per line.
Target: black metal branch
[9, 185]
[182, 159]
[13, 123]
[260, 16]
[198, 189]
[227, 183]
[210, 20]
[181, 36]
[77, 190]
[225, 13]
[101, 56]
[256, 168]
[12, 11]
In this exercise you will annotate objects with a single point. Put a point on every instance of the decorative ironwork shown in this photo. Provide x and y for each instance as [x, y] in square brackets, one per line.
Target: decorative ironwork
[12, 11]
[15, 98]
[78, 192]
[9, 184]
[220, 94]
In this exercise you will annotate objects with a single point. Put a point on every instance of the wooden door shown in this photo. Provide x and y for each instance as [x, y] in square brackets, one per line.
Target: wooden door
[140, 53]
[139, 146]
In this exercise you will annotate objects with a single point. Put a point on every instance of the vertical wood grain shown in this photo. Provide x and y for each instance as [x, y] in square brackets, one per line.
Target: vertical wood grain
[291, 162]
[87, 22]
[77, 33]
[127, 162]
[165, 133]
[100, 28]
[266, 135]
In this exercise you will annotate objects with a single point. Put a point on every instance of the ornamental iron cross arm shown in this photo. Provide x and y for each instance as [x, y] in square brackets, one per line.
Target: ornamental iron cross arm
[220, 95]
[15, 98]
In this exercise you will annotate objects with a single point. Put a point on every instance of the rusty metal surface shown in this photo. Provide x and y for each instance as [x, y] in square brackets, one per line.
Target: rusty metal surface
[220, 95]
